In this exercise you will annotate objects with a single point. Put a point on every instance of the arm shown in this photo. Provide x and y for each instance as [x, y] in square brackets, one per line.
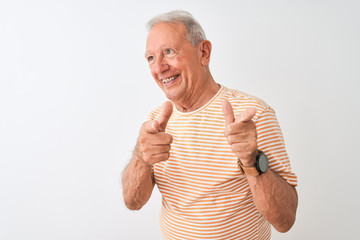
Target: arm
[274, 198]
[137, 182]
[153, 146]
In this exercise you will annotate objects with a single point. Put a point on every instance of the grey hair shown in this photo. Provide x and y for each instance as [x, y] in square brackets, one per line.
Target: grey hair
[195, 34]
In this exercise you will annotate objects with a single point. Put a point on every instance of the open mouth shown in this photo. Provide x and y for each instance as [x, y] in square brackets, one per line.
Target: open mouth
[170, 79]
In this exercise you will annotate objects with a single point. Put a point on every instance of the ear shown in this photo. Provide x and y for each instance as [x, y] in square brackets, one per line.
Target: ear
[205, 50]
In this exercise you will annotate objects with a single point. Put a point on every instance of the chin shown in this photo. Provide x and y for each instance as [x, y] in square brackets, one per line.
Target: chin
[173, 95]
[170, 97]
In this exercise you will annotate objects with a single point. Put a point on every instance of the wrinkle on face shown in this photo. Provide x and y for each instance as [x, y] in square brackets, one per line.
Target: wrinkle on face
[170, 53]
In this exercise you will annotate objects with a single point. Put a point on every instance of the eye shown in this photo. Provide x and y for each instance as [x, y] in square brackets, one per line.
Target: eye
[150, 59]
[169, 51]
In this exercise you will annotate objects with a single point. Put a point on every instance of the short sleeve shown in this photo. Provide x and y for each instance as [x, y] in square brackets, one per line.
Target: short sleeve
[270, 140]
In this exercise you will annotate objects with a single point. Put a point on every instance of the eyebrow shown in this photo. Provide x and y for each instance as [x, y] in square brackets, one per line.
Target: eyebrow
[164, 46]
[147, 54]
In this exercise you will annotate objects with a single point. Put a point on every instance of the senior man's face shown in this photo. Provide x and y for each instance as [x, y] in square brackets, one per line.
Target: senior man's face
[174, 63]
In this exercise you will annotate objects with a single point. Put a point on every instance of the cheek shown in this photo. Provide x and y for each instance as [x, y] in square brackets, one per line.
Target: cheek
[153, 73]
[174, 64]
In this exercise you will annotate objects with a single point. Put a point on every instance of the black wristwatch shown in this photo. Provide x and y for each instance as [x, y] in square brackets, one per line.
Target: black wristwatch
[260, 167]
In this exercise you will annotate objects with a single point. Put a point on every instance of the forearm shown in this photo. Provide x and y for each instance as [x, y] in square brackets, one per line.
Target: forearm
[137, 183]
[275, 199]
[153, 146]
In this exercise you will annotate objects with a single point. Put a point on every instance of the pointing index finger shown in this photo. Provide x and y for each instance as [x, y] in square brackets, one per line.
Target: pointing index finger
[246, 115]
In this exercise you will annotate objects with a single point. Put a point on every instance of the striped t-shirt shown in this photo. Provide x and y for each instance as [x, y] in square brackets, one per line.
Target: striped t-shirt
[204, 194]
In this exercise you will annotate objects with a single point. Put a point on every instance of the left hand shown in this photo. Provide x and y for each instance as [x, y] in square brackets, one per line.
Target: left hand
[241, 133]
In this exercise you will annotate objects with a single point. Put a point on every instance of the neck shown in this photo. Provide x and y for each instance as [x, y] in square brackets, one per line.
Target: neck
[202, 95]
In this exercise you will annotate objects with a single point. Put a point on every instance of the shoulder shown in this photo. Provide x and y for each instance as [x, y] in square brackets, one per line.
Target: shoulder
[240, 101]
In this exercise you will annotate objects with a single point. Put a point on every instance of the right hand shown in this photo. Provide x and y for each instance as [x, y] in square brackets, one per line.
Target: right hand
[154, 144]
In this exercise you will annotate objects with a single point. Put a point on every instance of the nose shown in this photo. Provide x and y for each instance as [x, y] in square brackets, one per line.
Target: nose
[160, 65]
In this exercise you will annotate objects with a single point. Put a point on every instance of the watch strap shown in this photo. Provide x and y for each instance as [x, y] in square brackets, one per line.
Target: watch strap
[251, 171]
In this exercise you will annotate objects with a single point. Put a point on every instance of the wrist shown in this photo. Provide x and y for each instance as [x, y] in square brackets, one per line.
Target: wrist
[139, 160]
[248, 163]
[254, 168]
[138, 157]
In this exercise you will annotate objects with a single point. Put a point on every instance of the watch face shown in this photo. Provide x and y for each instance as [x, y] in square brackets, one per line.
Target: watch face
[263, 163]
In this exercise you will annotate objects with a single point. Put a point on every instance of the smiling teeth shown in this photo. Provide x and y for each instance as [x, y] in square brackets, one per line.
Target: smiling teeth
[166, 80]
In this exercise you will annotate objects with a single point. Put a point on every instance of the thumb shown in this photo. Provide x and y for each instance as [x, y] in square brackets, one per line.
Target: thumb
[246, 115]
[228, 112]
[165, 115]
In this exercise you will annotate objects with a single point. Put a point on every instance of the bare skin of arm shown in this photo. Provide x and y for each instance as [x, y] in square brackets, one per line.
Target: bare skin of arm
[137, 183]
[153, 146]
[274, 198]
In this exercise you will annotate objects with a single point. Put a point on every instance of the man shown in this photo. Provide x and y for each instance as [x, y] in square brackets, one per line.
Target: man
[208, 149]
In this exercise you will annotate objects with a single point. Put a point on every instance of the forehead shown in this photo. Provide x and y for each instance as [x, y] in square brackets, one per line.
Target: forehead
[165, 34]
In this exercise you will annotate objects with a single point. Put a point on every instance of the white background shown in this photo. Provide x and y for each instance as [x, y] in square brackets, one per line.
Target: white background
[75, 88]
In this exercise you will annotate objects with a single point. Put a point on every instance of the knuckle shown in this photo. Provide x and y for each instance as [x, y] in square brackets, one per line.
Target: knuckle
[145, 149]
[141, 148]
[231, 139]
[165, 156]
[234, 148]
[169, 138]
[162, 157]
[146, 158]
[225, 133]
[228, 129]
[142, 139]
[145, 125]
